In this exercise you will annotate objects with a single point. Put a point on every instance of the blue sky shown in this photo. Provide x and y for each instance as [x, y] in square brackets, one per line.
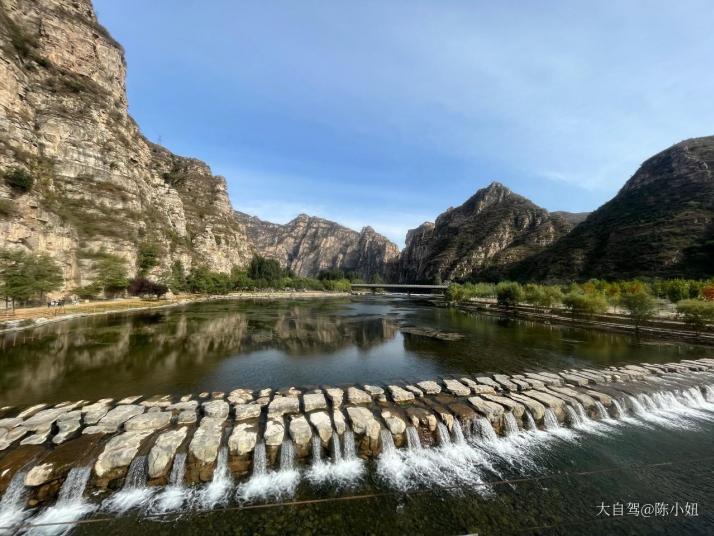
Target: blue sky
[385, 113]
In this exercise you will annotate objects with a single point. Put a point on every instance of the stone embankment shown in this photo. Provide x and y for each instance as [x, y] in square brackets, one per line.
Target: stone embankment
[44, 443]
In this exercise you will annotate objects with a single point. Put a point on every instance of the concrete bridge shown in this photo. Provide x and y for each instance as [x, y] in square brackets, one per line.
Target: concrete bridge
[400, 287]
[197, 449]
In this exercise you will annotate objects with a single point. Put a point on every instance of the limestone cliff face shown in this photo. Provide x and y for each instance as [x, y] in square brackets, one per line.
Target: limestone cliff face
[100, 185]
[308, 245]
[482, 238]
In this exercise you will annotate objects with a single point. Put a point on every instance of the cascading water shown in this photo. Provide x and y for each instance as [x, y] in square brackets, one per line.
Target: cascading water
[647, 401]
[172, 496]
[70, 505]
[335, 450]
[486, 430]
[135, 491]
[709, 392]
[388, 447]
[260, 461]
[316, 450]
[530, 422]
[349, 448]
[13, 502]
[580, 410]
[636, 406]
[619, 410]
[573, 417]
[272, 484]
[442, 432]
[413, 441]
[696, 396]
[510, 424]
[216, 492]
[601, 411]
[549, 420]
[458, 433]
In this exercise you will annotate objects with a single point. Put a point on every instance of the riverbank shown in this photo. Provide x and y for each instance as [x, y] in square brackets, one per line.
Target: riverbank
[664, 327]
[31, 317]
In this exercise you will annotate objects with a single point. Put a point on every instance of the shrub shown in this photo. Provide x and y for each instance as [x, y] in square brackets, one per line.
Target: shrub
[696, 313]
[112, 275]
[639, 304]
[509, 294]
[7, 208]
[588, 304]
[340, 285]
[147, 258]
[140, 286]
[262, 268]
[19, 180]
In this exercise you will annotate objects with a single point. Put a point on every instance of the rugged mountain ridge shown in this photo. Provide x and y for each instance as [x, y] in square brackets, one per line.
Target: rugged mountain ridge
[308, 244]
[100, 187]
[660, 224]
[483, 238]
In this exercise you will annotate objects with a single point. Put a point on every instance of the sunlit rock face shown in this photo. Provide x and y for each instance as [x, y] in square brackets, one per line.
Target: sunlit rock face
[100, 185]
[483, 237]
[308, 245]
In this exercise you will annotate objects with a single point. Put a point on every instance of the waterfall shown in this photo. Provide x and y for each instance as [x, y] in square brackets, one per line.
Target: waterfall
[388, 447]
[413, 441]
[510, 424]
[530, 423]
[349, 448]
[316, 450]
[216, 492]
[336, 451]
[486, 430]
[647, 402]
[287, 456]
[580, 410]
[709, 390]
[636, 405]
[458, 433]
[573, 417]
[260, 460]
[135, 491]
[172, 496]
[601, 411]
[70, 505]
[442, 432]
[13, 502]
[697, 396]
[178, 470]
[549, 420]
[619, 410]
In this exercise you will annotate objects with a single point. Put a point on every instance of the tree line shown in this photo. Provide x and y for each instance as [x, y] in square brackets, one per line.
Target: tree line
[693, 300]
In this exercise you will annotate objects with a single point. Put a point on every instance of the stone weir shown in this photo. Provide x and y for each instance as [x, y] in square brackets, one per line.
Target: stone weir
[160, 441]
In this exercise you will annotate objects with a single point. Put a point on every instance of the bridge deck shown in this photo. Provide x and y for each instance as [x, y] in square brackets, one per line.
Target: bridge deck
[389, 286]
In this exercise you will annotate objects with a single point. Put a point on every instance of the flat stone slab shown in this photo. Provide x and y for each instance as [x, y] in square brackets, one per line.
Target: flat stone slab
[274, 432]
[374, 390]
[184, 405]
[488, 409]
[549, 401]
[429, 387]
[505, 382]
[574, 379]
[240, 396]
[515, 407]
[314, 401]
[536, 408]
[335, 395]
[29, 412]
[68, 425]
[247, 412]
[584, 399]
[148, 421]
[363, 422]
[457, 388]
[300, 430]
[119, 451]
[338, 419]
[394, 422]
[217, 409]
[187, 417]
[417, 392]
[358, 396]
[605, 400]
[39, 474]
[114, 418]
[485, 380]
[243, 439]
[399, 394]
[320, 420]
[206, 440]
[283, 405]
[8, 437]
[164, 450]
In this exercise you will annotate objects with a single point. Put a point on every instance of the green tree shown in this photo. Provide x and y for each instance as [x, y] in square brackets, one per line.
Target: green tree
[639, 304]
[175, 278]
[24, 276]
[587, 304]
[266, 269]
[147, 258]
[112, 276]
[509, 294]
[696, 313]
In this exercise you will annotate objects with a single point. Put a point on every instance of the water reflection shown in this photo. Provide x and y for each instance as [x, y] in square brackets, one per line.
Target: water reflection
[223, 345]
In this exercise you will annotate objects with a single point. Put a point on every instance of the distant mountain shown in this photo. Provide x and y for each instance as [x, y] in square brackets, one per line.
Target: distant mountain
[308, 245]
[573, 218]
[661, 223]
[483, 238]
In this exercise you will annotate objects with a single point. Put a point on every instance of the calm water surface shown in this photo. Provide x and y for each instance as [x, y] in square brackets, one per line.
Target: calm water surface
[224, 345]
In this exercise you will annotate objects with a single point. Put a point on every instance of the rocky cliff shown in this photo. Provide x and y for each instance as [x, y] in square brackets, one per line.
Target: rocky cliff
[660, 224]
[484, 237]
[308, 245]
[101, 187]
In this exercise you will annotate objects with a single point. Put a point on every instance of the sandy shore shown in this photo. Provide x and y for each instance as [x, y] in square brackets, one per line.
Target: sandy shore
[31, 317]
